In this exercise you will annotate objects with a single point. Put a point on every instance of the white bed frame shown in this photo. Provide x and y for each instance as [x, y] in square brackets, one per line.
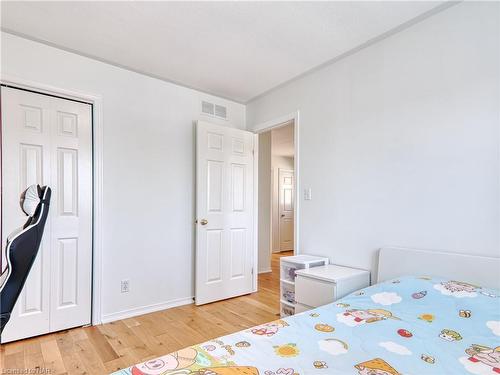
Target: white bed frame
[478, 270]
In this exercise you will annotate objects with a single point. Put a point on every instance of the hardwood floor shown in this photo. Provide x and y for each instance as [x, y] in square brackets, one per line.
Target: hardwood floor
[113, 346]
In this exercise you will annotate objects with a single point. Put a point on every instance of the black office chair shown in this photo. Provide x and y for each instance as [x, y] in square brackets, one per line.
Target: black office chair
[22, 248]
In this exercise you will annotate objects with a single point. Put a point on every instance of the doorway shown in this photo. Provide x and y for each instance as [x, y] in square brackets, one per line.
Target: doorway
[277, 193]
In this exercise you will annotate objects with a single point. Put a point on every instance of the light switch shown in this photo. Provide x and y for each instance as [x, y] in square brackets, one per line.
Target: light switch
[308, 194]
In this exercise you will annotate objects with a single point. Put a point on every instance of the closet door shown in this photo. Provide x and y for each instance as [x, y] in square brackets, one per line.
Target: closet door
[48, 140]
[26, 143]
[71, 215]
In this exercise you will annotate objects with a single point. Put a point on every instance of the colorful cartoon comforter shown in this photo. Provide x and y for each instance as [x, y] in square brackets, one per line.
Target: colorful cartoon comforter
[412, 325]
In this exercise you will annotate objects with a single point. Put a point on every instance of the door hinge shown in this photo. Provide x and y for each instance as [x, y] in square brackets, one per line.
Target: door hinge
[252, 271]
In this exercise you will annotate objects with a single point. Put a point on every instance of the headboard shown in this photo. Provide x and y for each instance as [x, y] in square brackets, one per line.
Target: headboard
[479, 270]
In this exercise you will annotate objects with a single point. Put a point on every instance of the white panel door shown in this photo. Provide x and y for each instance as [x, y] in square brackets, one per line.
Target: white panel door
[48, 140]
[71, 215]
[286, 210]
[224, 207]
[25, 161]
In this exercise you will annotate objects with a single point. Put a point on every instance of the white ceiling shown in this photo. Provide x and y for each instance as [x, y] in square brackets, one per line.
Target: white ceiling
[282, 141]
[236, 50]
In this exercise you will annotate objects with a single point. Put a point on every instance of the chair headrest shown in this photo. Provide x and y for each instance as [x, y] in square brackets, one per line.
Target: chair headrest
[30, 199]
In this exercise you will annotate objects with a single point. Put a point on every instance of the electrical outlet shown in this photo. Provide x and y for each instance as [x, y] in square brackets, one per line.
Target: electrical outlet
[125, 286]
[308, 194]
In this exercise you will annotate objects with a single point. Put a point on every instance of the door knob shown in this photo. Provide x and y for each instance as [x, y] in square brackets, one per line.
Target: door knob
[282, 215]
[203, 221]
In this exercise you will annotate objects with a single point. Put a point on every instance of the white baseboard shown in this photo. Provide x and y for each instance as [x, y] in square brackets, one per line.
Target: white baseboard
[267, 270]
[124, 314]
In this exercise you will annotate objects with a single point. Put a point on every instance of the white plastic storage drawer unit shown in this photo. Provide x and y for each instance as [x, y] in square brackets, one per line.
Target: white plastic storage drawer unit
[288, 268]
[319, 286]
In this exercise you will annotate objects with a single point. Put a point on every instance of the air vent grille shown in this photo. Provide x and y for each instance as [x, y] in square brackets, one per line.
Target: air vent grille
[220, 111]
[207, 108]
[215, 110]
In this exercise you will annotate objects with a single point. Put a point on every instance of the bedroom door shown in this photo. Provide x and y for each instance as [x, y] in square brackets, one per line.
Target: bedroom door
[48, 141]
[286, 209]
[224, 211]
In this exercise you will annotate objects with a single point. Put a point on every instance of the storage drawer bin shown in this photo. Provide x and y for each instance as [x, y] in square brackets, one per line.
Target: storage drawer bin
[313, 292]
[287, 293]
[288, 271]
[287, 310]
[301, 308]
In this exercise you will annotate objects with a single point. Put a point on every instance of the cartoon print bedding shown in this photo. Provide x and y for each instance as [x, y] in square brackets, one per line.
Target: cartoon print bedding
[412, 325]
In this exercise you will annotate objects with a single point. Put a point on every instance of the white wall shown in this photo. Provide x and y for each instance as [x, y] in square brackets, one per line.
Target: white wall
[400, 141]
[265, 180]
[148, 170]
[278, 162]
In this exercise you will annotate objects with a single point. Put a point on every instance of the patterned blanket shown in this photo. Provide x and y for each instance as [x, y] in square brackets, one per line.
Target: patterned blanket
[412, 325]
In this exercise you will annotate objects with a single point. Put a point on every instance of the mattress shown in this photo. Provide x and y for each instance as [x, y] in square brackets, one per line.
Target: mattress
[410, 325]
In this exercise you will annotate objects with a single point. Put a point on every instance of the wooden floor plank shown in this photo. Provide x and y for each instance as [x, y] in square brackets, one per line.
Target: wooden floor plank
[104, 349]
[52, 357]
[109, 347]
[69, 355]
[33, 354]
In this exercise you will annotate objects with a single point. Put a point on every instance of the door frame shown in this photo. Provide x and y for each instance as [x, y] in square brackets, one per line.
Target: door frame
[262, 128]
[97, 174]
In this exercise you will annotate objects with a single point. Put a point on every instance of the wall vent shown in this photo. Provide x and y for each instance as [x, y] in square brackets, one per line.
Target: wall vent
[214, 110]
[220, 111]
[208, 108]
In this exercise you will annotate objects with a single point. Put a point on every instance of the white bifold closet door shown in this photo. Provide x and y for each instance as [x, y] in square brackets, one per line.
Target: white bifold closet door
[48, 141]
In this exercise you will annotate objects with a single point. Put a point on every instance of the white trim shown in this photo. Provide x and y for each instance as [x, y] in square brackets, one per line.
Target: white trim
[255, 281]
[124, 314]
[97, 147]
[271, 211]
[98, 198]
[276, 123]
[264, 127]
[267, 270]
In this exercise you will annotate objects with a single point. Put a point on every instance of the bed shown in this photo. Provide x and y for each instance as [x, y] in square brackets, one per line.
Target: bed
[418, 324]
